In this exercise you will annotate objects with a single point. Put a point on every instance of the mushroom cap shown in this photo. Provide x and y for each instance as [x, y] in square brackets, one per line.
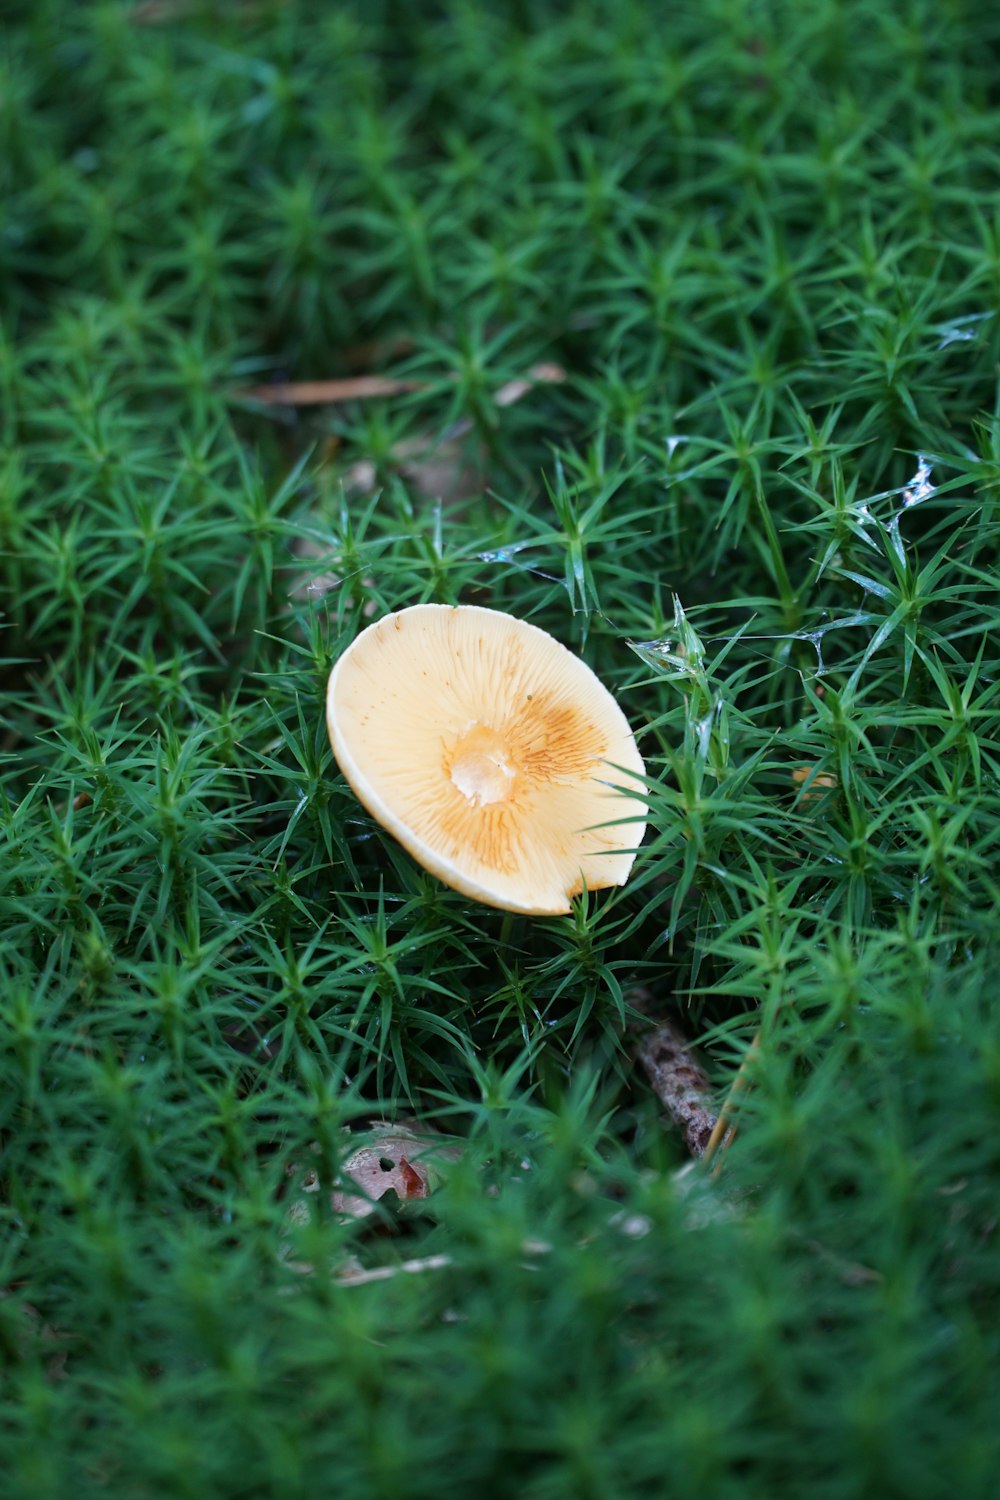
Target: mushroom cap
[491, 752]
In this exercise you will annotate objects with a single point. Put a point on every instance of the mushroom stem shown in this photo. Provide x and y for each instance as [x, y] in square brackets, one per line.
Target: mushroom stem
[507, 928]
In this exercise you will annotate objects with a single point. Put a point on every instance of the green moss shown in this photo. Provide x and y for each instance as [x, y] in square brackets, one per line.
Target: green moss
[761, 242]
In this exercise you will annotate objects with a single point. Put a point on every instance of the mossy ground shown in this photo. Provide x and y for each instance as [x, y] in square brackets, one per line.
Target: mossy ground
[761, 242]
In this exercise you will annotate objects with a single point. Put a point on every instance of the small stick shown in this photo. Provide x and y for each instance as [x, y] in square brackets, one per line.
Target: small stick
[362, 1277]
[321, 392]
[724, 1129]
[367, 387]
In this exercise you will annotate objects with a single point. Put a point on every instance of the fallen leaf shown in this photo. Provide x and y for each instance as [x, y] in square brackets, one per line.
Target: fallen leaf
[394, 1158]
[817, 784]
[681, 1084]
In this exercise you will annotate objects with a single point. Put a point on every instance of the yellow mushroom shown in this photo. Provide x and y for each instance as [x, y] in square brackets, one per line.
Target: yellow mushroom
[491, 752]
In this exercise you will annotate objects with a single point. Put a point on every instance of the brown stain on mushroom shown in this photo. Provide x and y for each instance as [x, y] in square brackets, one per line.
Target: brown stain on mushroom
[554, 742]
[491, 771]
[490, 833]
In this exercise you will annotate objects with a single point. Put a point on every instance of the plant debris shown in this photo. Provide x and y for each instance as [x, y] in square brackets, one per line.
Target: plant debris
[681, 1084]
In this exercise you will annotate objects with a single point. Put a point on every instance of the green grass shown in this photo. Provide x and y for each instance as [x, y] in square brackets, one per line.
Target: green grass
[762, 241]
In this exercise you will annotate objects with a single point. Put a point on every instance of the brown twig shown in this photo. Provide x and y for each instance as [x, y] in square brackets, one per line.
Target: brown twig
[163, 12]
[369, 387]
[328, 392]
[724, 1130]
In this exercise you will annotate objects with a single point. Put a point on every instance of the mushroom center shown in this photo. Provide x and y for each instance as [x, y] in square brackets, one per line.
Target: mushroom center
[480, 767]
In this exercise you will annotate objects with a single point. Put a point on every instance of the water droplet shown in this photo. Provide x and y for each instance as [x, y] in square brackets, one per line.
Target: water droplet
[504, 554]
[919, 487]
[960, 330]
[915, 492]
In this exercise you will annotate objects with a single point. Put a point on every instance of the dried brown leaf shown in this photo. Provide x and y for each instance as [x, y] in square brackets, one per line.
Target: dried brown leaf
[680, 1083]
[394, 1158]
